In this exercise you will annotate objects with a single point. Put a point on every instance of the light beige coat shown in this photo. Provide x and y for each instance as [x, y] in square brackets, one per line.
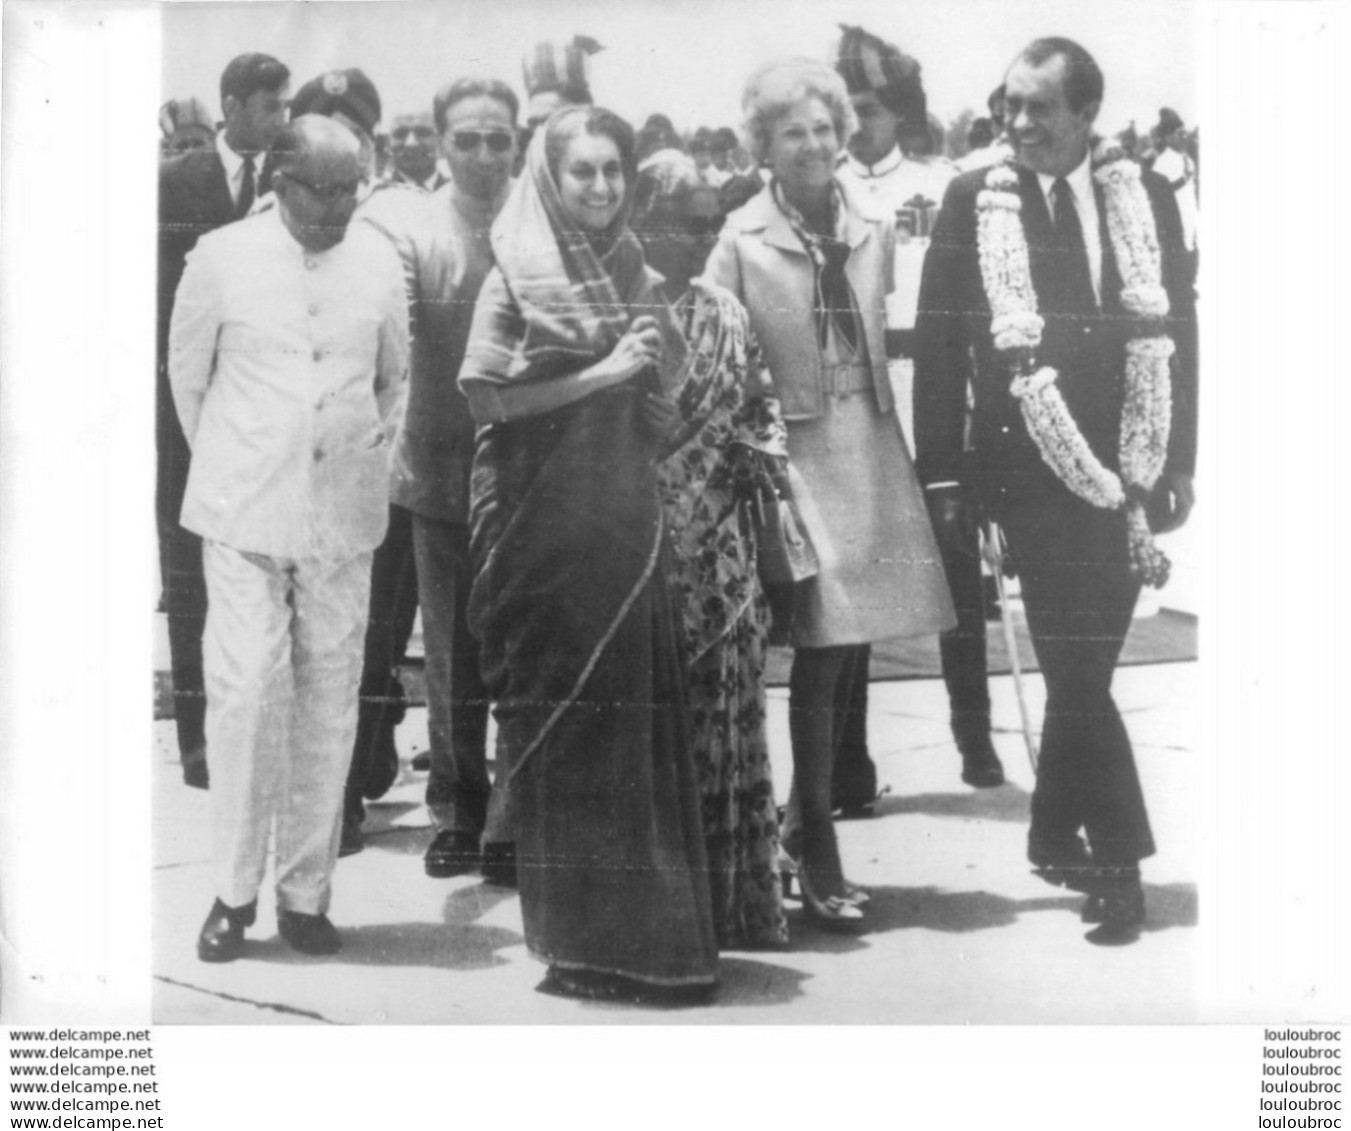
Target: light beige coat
[760, 259]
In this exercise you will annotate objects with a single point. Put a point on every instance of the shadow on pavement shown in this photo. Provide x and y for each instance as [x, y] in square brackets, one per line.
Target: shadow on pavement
[429, 945]
[458, 942]
[960, 912]
[932, 909]
[747, 981]
[1004, 803]
[1170, 905]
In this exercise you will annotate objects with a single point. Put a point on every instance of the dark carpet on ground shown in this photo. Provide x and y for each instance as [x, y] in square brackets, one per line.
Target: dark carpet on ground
[1166, 638]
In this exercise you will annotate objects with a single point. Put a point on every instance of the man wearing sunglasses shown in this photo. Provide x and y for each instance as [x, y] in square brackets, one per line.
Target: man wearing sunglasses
[443, 242]
[287, 355]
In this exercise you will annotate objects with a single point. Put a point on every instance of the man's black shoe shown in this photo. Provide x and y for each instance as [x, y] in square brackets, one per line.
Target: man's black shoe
[981, 767]
[421, 762]
[309, 934]
[452, 853]
[499, 863]
[983, 770]
[1118, 909]
[1064, 865]
[222, 935]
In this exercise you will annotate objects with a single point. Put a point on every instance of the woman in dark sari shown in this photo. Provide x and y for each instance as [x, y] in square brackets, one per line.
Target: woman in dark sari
[570, 599]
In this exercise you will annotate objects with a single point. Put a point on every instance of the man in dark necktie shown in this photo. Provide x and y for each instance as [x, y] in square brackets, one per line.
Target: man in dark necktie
[1077, 558]
[199, 191]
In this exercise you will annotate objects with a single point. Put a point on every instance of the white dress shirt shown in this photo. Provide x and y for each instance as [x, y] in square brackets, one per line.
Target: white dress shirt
[287, 368]
[234, 170]
[1086, 204]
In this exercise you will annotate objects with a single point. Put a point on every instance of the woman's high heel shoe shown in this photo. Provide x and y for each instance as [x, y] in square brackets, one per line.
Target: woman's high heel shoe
[834, 913]
[840, 913]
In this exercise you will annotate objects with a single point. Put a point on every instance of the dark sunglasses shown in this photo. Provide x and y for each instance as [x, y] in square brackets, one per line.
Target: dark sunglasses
[327, 193]
[466, 141]
[403, 133]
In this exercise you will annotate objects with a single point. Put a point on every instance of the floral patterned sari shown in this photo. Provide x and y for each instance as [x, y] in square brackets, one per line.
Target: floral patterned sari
[729, 420]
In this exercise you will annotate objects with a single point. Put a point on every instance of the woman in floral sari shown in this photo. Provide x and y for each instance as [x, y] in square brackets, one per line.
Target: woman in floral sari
[728, 441]
[571, 600]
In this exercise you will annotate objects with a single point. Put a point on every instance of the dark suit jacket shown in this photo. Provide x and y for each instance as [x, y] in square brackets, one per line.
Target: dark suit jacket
[954, 350]
[193, 199]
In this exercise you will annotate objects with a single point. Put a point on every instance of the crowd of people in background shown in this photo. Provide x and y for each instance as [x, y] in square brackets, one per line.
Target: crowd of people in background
[615, 406]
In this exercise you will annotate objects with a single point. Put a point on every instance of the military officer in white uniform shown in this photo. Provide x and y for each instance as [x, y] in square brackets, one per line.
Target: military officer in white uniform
[887, 90]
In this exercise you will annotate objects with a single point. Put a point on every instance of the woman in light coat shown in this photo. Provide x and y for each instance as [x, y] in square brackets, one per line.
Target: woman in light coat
[813, 268]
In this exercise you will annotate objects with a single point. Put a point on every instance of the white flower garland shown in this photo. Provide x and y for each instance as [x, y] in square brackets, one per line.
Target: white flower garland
[1017, 328]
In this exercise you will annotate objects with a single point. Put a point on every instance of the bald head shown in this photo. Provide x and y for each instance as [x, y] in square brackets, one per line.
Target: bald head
[317, 179]
[312, 139]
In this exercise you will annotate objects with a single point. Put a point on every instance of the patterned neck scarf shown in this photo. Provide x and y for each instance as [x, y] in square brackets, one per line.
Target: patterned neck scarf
[834, 300]
[574, 289]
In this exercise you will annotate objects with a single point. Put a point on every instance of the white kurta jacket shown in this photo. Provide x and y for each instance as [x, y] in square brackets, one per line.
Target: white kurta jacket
[288, 369]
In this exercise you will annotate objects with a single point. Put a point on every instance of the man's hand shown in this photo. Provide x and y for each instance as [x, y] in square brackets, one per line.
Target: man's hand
[955, 521]
[1176, 496]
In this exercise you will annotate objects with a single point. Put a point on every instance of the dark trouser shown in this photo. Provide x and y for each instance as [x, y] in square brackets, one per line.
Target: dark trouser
[854, 779]
[457, 701]
[185, 602]
[963, 648]
[1073, 562]
[181, 576]
[393, 609]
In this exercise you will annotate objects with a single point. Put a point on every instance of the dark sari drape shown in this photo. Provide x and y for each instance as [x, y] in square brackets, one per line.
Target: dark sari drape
[581, 655]
[580, 649]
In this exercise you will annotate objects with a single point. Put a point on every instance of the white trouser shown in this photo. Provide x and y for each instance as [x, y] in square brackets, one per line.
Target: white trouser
[282, 654]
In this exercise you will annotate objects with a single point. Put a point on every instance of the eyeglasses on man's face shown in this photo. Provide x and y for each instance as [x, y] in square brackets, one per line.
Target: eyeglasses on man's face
[328, 194]
[418, 133]
[468, 141]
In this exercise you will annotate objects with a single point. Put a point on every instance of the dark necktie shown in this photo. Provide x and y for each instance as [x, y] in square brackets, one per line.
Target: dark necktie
[1075, 279]
[246, 189]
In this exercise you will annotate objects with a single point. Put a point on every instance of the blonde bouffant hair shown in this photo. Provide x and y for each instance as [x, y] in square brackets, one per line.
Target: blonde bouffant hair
[775, 87]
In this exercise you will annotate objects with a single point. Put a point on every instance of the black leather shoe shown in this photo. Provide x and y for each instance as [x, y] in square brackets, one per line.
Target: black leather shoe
[421, 762]
[499, 863]
[1118, 909]
[221, 938]
[981, 767]
[452, 853]
[1064, 865]
[309, 934]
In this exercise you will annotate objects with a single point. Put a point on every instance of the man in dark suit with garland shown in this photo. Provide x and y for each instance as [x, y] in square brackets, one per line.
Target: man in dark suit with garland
[198, 192]
[1082, 367]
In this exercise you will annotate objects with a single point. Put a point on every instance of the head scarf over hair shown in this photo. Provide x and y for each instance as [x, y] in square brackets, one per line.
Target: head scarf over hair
[574, 290]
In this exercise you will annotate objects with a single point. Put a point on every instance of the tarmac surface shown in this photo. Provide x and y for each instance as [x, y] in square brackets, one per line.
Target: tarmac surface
[959, 932]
